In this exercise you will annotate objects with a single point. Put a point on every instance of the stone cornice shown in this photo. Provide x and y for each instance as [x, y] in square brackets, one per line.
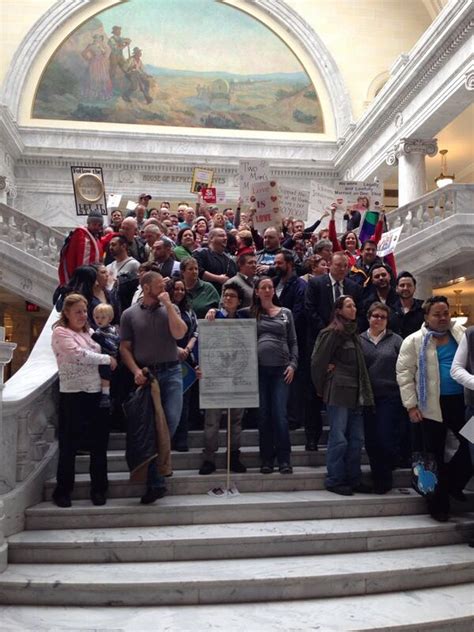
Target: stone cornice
[410, 73]
[10, 137]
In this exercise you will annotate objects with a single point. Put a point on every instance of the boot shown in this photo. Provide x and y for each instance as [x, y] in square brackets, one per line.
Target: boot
[235, 464]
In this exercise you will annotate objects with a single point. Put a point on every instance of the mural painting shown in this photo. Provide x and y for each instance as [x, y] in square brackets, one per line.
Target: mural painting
[185, 63]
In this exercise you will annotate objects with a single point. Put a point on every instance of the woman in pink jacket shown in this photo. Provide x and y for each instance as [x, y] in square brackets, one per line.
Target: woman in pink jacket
[78, 358]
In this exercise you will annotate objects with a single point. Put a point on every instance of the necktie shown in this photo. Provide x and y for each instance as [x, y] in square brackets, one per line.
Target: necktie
[337, 290]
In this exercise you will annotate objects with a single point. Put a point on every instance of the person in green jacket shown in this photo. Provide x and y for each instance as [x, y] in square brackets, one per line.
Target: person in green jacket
[340, 377]
[203, 295]
[186, 244]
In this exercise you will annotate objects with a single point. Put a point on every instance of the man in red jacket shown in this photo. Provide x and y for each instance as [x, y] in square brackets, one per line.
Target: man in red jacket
[83, 247]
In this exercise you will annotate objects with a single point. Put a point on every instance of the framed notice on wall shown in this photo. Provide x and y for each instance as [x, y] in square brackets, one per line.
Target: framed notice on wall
[89, 190]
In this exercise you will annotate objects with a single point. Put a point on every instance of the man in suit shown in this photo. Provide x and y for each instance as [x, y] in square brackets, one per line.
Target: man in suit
[321, 293]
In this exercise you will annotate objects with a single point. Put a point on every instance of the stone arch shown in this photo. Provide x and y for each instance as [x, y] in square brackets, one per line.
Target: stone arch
[376, 85]
[276, 11]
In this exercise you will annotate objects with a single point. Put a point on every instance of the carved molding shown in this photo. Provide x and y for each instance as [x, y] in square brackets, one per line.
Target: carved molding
[277, 11]
[470, 80]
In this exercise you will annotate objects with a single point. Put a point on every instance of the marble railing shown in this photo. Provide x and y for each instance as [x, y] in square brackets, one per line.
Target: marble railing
[27, 430]
[432, 208]
[29, 235]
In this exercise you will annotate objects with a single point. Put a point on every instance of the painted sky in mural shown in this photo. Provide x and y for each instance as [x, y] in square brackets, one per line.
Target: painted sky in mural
[185, 63]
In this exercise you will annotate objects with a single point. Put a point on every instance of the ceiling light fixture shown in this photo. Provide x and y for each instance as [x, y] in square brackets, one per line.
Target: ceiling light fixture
[443, 180]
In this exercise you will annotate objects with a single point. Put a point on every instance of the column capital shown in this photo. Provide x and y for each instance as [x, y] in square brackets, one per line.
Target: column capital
[427, 147]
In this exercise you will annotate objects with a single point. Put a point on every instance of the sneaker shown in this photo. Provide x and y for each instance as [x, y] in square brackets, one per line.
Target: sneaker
[342, 490]
[152, 494]
[98, 498]
[363, 488]
[266, 469]
[208, 467]
[104, 401]
[236, 465]
[62, 500]
[285, 468]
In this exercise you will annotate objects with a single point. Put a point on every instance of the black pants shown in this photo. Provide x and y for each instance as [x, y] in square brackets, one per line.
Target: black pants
[455, 474]
[81, 421]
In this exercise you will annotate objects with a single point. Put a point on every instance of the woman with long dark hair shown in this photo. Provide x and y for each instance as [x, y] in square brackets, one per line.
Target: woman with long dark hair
[340, 377]
[277, 351]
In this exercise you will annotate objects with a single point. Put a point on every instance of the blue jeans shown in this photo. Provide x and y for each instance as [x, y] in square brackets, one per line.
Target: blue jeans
[345, 441]
[171, 388]
[274, 435]
[382, 430]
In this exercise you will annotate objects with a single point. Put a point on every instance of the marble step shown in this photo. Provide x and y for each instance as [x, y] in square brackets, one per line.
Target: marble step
[189, 482]
[198, 509]
[196, 438]
[232, 541]
[193, 459]
[232, 581]
[444, 609]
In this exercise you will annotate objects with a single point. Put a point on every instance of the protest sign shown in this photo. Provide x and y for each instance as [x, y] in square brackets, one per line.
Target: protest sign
[388, 241]
[209, 195]
[347, 192]
[293, 202]
[251, 171]
[89, 190]
[220, 197]
[264, 199]
[202, 179]
[113, 200]
[131, 206]
[229, 369]
[320, 199]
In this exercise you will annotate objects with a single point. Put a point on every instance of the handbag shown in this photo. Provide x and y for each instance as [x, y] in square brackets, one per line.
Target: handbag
[424, 473]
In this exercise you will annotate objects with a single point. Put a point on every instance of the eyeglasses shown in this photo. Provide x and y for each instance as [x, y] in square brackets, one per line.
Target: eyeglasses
[379, 316]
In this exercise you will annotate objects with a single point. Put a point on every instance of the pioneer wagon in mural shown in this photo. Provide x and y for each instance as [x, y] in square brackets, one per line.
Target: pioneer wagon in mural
[192, 63]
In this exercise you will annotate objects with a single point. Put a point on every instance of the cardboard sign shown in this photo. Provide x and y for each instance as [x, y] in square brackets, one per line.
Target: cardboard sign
[220, 197]
[321, 197]
[89, 190]
[264, 199]
[202, 179]
[131, 206]
[388, 242]
[251, 171]
[209, 195]
[346, 193]
[294, 202]
[113, 200]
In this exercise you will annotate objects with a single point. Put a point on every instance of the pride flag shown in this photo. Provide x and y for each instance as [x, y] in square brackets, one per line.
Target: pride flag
[367, 227]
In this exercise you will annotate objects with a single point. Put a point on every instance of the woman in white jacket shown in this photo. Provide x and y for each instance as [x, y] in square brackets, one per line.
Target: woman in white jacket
[435, 400]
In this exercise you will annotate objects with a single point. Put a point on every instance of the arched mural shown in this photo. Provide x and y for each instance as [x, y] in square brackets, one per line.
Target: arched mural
[185, 63]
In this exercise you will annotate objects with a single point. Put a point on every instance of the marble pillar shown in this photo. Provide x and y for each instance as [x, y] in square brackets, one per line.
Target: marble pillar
[410, 154]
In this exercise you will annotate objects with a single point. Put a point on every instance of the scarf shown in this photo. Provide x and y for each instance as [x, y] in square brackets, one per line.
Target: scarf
[422, 367]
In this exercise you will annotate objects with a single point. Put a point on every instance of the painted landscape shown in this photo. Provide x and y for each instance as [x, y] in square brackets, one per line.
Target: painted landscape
[225, 70]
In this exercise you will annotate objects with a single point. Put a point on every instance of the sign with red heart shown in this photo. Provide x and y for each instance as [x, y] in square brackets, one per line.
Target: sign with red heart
[266, 204]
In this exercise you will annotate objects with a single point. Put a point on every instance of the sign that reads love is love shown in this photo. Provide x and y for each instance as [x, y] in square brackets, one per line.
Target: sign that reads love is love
[264, 199]
[348, 192]
[251, 171]
[294, 202]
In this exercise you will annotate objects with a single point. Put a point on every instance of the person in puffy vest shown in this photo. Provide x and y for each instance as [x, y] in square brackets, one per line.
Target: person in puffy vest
[82, 247]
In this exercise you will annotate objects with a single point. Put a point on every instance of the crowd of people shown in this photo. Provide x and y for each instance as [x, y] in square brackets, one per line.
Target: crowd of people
[338, 330]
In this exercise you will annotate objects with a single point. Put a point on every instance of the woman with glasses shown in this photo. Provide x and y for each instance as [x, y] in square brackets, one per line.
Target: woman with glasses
[340, 377]
[232, 299]
[382, 422]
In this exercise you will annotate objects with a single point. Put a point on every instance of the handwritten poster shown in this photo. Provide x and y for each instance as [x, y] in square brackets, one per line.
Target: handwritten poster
[251, 171]
[294, 202]
[388, 242]
[264, 199]
[346, 193]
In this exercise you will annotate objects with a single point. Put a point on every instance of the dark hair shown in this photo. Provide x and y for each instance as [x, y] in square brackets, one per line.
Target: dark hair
[82, 282]
[184, 306]
[378, 305]
[256, 309]
[287, 256]
[433, 300]
[242, 259]
[369, 241]
[231, 246]
[232, 285]
[149, 266]
[344, 237]
[380, 264]
[336, 322]
[122, 239]
[406, 275]
[181, 233]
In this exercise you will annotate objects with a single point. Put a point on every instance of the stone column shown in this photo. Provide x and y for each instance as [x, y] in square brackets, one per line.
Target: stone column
[6, 352]
[410, 154]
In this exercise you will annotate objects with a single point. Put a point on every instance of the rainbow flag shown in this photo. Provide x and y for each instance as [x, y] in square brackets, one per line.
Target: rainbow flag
[368, 224]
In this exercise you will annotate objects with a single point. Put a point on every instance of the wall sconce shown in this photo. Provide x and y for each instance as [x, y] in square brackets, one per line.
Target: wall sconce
[443, 180]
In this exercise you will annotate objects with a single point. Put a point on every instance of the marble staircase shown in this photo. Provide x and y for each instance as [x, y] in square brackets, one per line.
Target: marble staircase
[284, 554]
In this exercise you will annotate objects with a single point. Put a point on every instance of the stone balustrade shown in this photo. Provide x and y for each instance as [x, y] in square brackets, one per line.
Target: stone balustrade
[432, 208]
[29, 235]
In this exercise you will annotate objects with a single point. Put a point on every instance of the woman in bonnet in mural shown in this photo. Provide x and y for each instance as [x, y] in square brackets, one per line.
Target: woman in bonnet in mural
[98, 85]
